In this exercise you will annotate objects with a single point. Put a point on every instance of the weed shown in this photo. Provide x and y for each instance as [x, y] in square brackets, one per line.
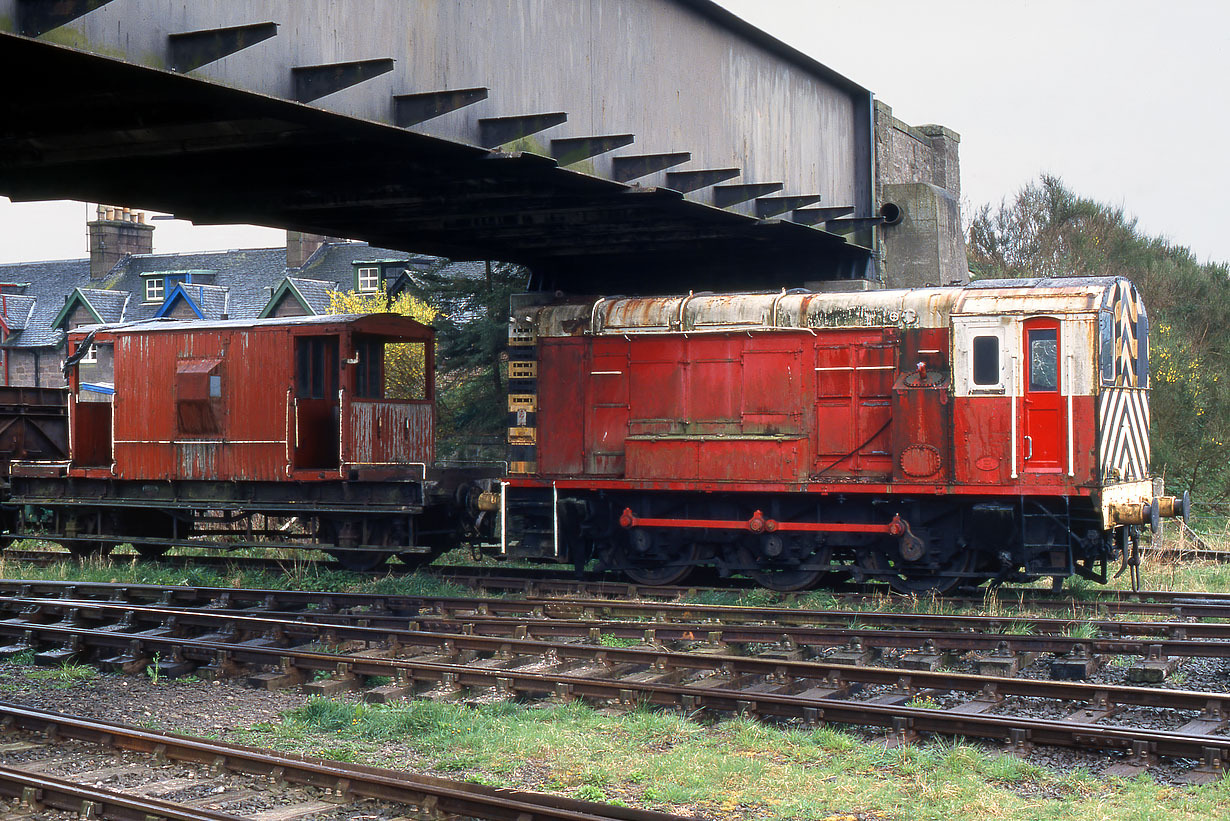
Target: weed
[1081, 630]
[923, 703]
[588, 792]
[1019, 628]
[609, 640]
[154, 669]
[66, 675]
[23, 659]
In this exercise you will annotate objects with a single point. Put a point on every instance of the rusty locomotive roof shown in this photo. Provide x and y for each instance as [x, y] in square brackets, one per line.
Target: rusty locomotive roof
[801, 309]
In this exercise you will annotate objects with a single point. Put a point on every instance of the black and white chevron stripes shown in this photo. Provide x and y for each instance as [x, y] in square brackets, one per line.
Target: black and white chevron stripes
[1123, 434]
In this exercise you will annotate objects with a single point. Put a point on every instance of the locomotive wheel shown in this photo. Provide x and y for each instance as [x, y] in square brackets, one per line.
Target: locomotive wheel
[661, 574]
[787, 580]
[648, 559]
[911, 579]
[785, 575]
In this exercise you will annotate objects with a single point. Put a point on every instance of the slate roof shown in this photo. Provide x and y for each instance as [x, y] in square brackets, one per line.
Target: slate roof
[208, 301]
[244, 279]
[17, 309]
[315, 292]
[109, 305]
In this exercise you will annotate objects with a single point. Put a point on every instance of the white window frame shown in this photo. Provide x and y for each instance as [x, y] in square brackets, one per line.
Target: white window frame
[155, 289]
[370, 274]
[91, 356]
[964, 330]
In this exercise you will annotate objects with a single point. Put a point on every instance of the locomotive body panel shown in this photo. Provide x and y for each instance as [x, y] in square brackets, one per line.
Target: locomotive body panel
[1000, 411]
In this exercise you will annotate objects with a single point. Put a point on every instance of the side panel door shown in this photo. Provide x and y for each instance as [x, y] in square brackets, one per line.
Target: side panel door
[561, 402]
[1043, 444]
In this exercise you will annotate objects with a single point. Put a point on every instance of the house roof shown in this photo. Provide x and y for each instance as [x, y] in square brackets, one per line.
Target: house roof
[246, 280]
[17, 309]
[206, 301]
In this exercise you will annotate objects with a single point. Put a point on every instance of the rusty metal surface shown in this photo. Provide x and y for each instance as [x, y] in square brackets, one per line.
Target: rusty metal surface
[387, 431]
[255, 427]
[75, 797]
[33, 425]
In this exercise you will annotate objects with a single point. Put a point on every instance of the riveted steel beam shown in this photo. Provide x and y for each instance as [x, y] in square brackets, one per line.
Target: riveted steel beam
[193, 49]
[686, 181]
[635, 166]
[571, 150]
[37, 17]
[727, 195]
[314, 82]
[412, 109]
[772, 206]
[496, 131]
[814, 216]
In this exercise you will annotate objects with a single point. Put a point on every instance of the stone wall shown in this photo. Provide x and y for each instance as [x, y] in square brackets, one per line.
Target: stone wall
[918, 169]
[35, 367]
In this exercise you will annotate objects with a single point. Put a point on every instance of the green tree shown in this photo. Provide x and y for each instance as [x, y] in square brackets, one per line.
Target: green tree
[1046, 230]
[404, 363]
[472, 304]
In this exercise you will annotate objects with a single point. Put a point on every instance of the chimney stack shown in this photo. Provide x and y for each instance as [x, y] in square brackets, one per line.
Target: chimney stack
[114, 234]
[301, 246]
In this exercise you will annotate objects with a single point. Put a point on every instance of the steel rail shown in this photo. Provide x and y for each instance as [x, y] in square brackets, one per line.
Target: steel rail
[823, 674]
[541, 581]
[729, 616]
[576, 619]
[38, 791]
[433, 794]
[904, 721]
[1173, 604]
[546, 619]
[714, 633]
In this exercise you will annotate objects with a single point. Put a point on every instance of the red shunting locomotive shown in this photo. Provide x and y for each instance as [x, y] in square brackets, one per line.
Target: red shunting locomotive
[926, 437]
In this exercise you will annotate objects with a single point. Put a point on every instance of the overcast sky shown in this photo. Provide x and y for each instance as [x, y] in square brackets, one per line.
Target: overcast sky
[1125, 101]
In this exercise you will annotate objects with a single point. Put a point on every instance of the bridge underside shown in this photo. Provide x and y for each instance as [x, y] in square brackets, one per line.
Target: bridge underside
[79, 126]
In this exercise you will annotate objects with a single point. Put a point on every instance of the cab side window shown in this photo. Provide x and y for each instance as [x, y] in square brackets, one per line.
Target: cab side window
[986, 364]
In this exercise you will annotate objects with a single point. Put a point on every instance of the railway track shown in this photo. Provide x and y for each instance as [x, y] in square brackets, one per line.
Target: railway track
[703, 675]
[244, 776]
[1045, 634]
[541, 582]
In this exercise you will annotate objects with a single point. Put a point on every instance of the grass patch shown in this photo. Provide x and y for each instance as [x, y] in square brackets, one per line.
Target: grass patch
[66, 675]
[737, 768]
[609, 640]
[1081, 630]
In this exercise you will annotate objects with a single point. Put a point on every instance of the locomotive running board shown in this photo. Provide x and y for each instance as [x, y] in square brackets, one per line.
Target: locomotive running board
[912, 548]
[759, 524]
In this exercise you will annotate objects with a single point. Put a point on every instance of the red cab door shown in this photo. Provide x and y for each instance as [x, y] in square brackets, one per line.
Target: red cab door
[1043, 444]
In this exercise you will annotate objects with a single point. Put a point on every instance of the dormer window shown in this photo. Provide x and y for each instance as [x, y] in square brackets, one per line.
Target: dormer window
[368, 279]
[155, 287]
